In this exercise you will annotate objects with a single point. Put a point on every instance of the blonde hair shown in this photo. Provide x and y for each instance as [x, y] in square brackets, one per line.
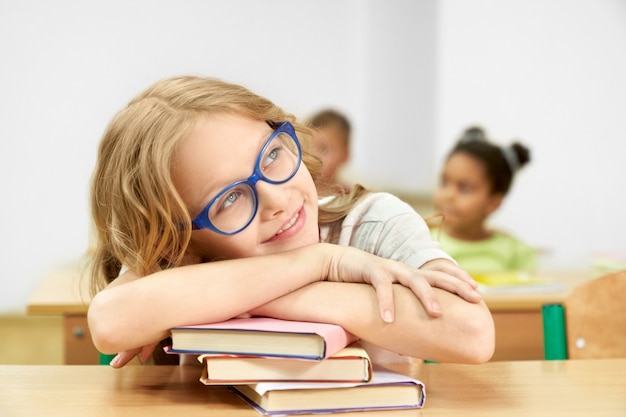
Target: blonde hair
[136, 210]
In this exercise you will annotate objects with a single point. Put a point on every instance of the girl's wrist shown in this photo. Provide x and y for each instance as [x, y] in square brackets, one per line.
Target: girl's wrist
[437, 261]
[322, 260]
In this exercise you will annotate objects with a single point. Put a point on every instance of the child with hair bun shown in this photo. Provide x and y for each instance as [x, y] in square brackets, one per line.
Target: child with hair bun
[476, 177]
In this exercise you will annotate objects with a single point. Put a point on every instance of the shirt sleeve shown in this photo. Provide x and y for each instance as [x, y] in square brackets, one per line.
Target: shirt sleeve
[386, 226]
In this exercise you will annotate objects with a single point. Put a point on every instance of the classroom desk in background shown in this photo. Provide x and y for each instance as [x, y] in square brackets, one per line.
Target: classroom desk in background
[520, 388]
[517, 316]
[65, 293]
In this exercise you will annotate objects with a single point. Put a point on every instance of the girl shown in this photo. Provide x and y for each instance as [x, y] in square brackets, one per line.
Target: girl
[205, 209]
[476, 177]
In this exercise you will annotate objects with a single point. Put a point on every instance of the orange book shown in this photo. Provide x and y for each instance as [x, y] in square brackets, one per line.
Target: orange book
[262, 336]
[351, 364]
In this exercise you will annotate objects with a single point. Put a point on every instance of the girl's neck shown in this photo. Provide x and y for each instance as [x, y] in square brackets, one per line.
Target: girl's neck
[470, 234]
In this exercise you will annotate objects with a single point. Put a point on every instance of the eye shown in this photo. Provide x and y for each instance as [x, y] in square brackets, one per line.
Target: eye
[465, 188]
[271, 156]
[229, 199]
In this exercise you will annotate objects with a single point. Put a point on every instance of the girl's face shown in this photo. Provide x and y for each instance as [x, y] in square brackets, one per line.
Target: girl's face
[464, 195]
[222, 149]
[332, 150]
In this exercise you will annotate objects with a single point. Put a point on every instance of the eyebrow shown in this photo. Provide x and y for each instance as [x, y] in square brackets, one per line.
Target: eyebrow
[262, 139]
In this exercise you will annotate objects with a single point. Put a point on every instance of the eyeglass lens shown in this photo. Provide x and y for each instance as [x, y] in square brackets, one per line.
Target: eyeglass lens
[236, 204]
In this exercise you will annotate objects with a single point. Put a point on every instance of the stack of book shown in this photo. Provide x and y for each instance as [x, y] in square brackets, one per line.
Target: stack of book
[282, 367]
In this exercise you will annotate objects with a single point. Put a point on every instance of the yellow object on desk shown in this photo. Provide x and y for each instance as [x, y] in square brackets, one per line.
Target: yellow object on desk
[516, 281]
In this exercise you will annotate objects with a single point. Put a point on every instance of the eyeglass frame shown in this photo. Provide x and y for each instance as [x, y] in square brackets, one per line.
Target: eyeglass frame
[202, 220]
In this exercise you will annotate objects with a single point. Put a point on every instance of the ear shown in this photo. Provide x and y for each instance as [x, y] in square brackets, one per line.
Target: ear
[494, 202]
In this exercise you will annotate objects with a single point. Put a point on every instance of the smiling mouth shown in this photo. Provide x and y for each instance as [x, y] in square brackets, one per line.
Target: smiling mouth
[288, 225]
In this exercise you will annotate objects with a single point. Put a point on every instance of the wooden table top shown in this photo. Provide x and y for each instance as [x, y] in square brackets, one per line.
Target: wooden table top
[521, 388]
[533, 299]
[61, 292]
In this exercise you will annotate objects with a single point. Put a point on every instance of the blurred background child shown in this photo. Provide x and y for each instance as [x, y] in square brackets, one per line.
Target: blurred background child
[332, 143]
[475, 178]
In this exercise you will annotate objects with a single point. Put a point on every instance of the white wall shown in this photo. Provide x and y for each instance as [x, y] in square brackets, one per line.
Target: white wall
[67, 66]
[553, 74]
[410, 74]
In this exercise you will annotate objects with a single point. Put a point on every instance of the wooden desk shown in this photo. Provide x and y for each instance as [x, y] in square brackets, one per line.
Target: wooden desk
[65, 293]
[517, 317]
[521, 388]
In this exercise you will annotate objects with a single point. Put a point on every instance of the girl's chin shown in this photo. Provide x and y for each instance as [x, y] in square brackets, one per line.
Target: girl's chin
[303, 239]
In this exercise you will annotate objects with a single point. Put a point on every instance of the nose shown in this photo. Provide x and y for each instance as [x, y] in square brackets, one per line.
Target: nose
[444, 195]
[273, 199]
[447, 193]
[447, 190]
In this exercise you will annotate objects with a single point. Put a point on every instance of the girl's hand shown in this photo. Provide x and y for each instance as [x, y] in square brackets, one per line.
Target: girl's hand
[348, 264]
[456, 285]
[123, 358]
[145, 352]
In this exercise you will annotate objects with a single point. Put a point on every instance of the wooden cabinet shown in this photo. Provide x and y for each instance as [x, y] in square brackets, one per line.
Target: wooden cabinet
[78, 348]
[519, 335]
[65, 293]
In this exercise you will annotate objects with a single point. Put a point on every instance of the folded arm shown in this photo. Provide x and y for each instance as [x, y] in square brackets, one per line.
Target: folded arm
[463, 333]
[134, 313]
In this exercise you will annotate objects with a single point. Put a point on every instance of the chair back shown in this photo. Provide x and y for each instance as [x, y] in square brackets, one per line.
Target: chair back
[595, 317]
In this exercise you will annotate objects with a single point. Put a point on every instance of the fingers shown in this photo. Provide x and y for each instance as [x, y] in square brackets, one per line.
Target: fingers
[383, 273]
[444, 265]
[146, 351]
[123, 358]
[384, 293]
[424, 292]
[444, 275]
[469, 294]
[409, 277]
[452, 284]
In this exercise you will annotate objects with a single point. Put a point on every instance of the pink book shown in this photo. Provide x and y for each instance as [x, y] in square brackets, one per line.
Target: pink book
[262, 336]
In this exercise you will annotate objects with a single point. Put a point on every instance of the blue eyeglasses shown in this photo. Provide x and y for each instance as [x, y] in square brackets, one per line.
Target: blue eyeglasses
[234, 208]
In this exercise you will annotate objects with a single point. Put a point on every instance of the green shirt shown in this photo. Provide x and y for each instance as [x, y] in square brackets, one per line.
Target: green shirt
[499, 253]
